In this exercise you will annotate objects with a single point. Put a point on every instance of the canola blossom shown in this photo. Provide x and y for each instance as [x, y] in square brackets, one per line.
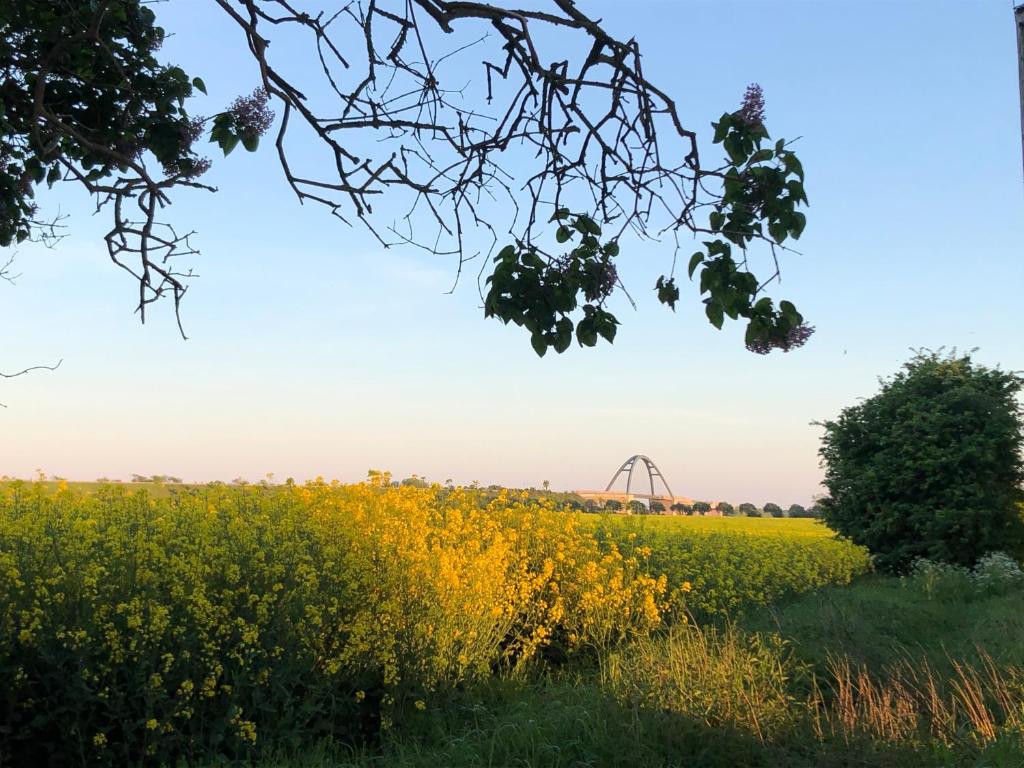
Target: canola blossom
[140, 629]
[146, 629]
[716, 566]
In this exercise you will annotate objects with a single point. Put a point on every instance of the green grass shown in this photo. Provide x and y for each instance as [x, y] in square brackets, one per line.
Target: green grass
[883, 620]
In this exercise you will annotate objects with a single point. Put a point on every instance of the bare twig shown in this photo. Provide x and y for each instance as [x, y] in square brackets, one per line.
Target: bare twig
[27, 370]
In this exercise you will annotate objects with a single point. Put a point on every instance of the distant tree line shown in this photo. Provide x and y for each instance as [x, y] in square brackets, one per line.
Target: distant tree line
[155, 479]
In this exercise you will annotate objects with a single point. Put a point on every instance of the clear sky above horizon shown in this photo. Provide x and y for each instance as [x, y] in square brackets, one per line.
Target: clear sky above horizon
[313, 351]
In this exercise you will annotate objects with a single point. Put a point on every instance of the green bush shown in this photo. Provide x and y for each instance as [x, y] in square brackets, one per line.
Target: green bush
[931, 466]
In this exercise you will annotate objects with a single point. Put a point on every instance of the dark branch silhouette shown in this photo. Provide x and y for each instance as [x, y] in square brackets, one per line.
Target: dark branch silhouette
[469, 118]
[23, 371]
[591, 129]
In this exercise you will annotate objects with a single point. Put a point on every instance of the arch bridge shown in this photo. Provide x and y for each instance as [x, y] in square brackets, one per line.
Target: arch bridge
[628, 468]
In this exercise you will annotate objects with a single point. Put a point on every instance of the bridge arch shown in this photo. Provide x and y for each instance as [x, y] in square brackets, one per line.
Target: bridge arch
[630, 465]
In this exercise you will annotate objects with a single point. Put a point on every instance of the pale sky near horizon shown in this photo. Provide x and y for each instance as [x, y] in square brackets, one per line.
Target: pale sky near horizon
[313, 351]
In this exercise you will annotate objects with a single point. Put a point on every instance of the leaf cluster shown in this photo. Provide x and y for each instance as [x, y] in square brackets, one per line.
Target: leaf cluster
[762, 190]
[83, 93]
[543, 294]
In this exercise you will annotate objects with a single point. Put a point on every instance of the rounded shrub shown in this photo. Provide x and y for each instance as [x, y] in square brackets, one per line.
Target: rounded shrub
[931, 466]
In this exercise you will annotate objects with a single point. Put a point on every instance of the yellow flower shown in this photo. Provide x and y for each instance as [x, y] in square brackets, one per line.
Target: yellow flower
[100, 740]
[421, 705]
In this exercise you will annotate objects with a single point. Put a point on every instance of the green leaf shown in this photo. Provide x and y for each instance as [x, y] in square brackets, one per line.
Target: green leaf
[793, 165]
[198, 83]
[695, 261]
[668, 292]
[799, 221]
[722, 127]
[778, 231]
[755, 331]
[612, 249]
[607, 326]
[540, 346]
[531, 259]
[506, 254]
[229, 143]
[790, 312]
[251, 143]
[563, 335]
[563, 234]
[587, 225]
[586, 333]
[734, 148]
[715, 314]
[559, 214]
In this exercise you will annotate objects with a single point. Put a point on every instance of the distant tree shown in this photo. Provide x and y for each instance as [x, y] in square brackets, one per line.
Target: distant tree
[657, 506]
[682, 509]
[773, 509]
[931, 466]
[701, 507]
[638, 507]
[415, 481]
[726, 508]
[795, 510]
[816, 511]
[748, 509]
[590, 505]
[547, 485]
[613, 505]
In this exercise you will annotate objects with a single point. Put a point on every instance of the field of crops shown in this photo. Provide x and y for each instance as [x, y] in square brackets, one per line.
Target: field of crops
[718, 565]
[214, 620]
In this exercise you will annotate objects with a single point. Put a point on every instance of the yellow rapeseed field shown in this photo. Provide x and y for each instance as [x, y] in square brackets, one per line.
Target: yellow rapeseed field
[137, 629]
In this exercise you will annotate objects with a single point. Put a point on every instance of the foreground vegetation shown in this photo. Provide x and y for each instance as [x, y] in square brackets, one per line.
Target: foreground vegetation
[329, 625]
[917, 678]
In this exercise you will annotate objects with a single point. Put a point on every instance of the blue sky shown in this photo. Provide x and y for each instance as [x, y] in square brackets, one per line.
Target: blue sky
[314, 351]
